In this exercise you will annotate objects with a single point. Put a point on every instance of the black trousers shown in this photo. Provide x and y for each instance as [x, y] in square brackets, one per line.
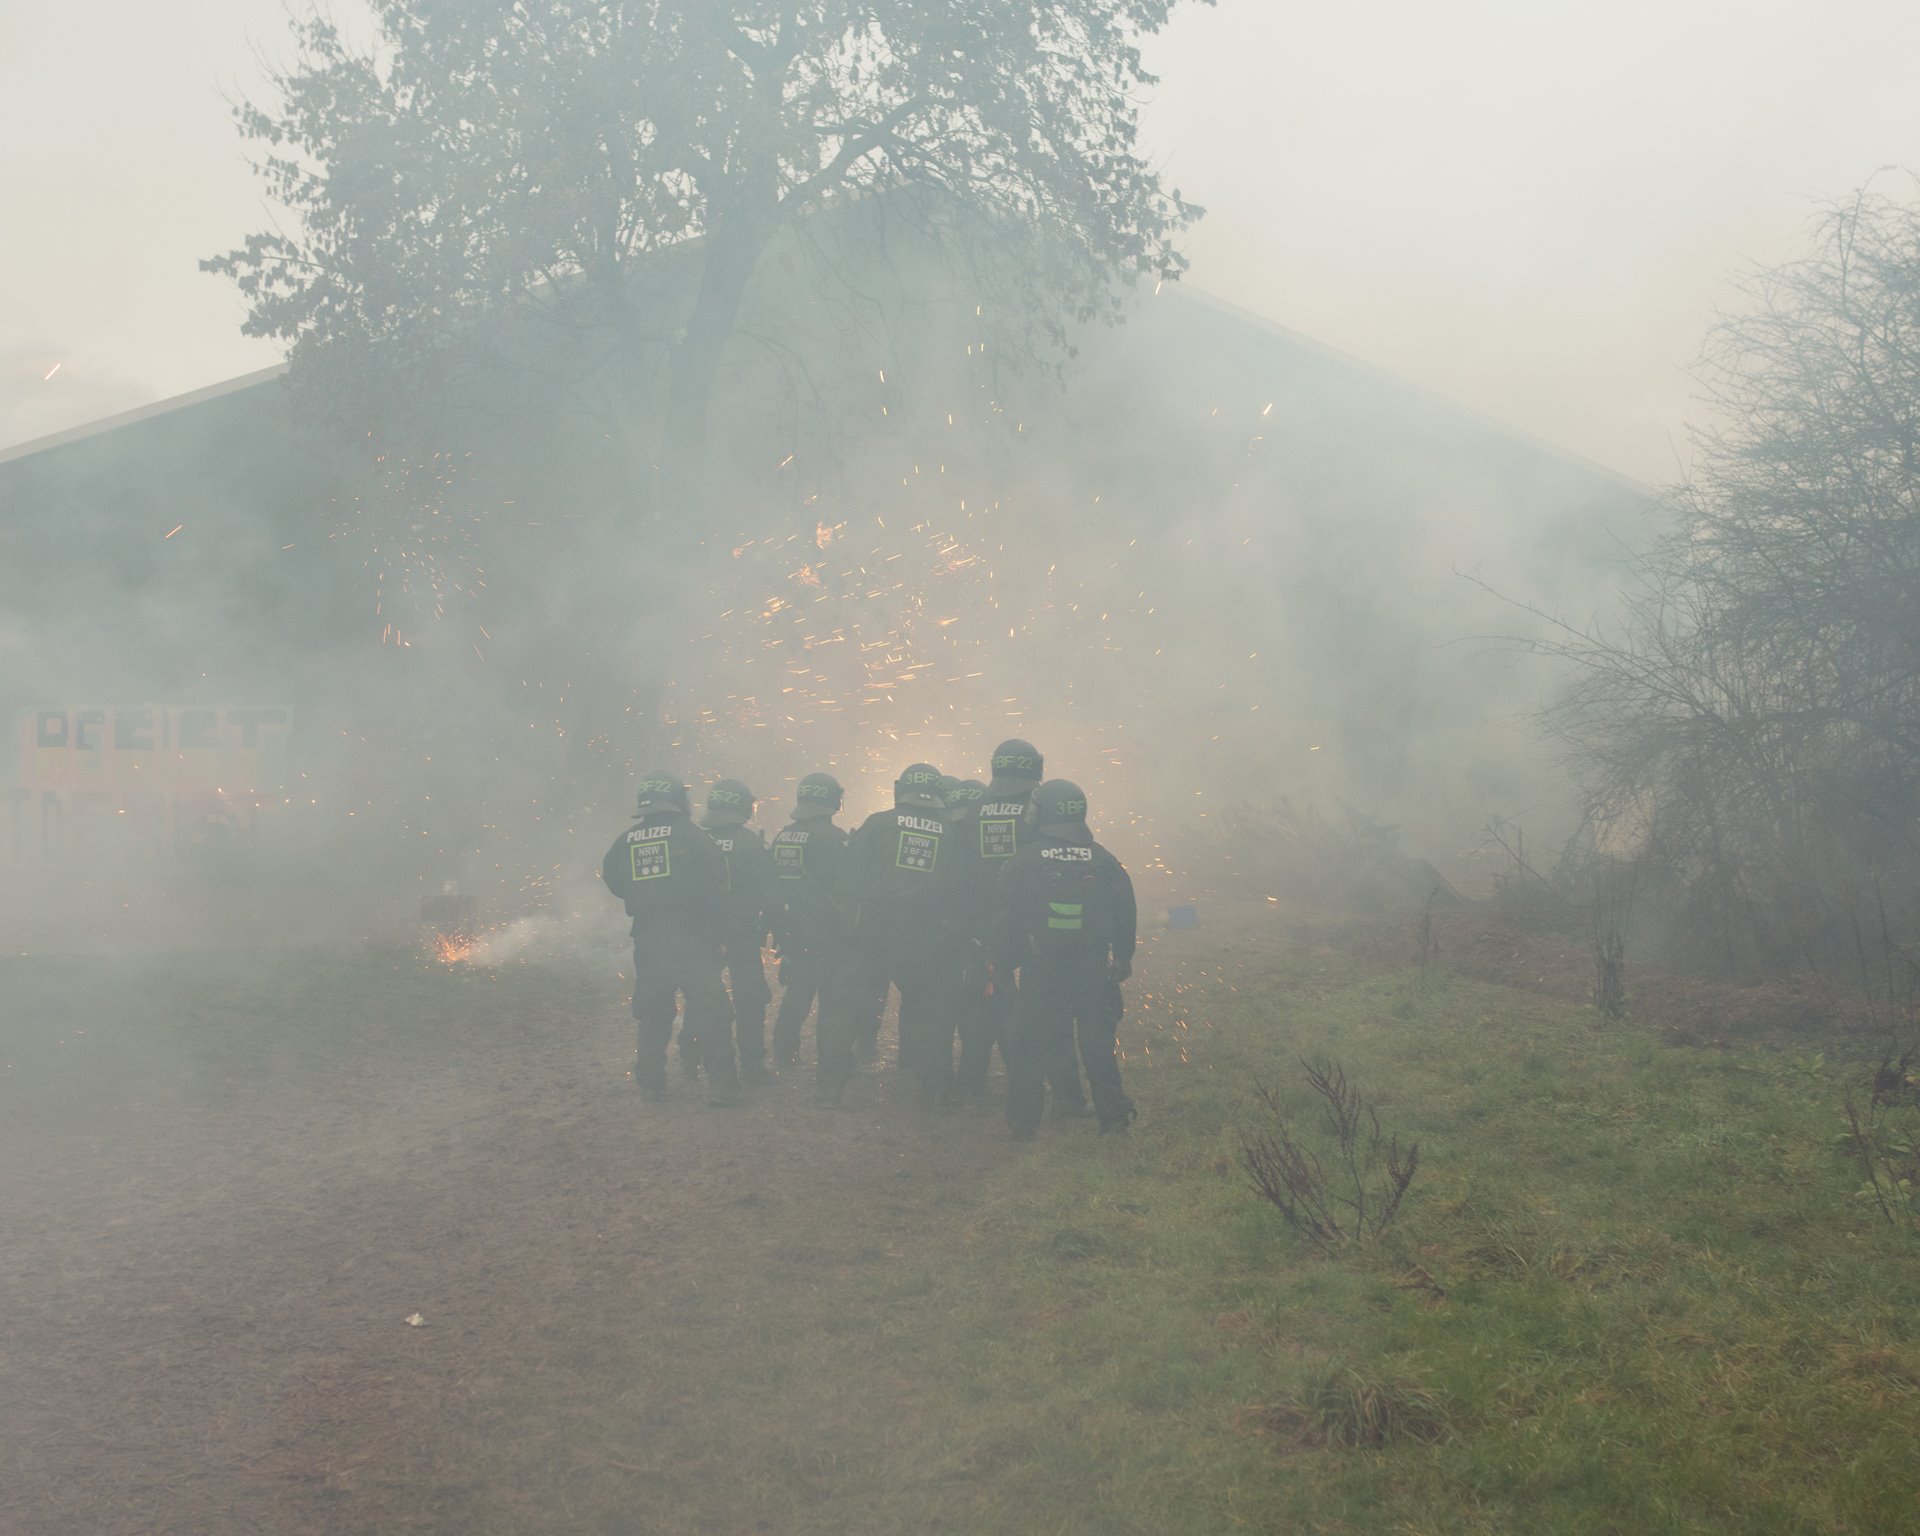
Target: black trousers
[807, 978]
[927, 974]
[986, 1020]
[1063, 999]
[667, 964]
[747, 1022]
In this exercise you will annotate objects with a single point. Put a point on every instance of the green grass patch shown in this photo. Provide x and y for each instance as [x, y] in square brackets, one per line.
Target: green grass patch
[1633, 1290]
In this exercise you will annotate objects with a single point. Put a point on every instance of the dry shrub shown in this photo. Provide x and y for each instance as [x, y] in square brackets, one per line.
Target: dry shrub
[1350, 1195]
[1346, 1409]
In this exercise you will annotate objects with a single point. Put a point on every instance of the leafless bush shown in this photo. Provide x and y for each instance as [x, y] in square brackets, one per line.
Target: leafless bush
[1428, 936]
[1610, 974]
[1754, 717]
[1883, 1134]
[1612, 885]
[1353, 1193]
[1524, 895]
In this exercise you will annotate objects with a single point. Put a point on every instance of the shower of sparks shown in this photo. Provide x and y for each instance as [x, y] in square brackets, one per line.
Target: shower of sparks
[452, 948]
[937, 598]
[420, 533]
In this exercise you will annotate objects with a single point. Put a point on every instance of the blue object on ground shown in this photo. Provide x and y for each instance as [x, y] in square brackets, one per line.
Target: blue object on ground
[1184, 917]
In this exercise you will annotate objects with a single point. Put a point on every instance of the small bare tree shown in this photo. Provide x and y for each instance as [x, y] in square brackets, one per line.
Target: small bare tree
[1883, 1135]
[1355, 1198]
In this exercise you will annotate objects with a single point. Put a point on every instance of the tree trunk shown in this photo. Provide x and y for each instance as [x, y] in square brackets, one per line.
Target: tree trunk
[734, 249]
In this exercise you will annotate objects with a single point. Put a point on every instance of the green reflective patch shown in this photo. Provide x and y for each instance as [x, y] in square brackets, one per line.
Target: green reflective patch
[1065, 914]
[917, 850]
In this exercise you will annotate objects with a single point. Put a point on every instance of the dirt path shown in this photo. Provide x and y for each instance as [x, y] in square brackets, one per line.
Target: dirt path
[207, 1267]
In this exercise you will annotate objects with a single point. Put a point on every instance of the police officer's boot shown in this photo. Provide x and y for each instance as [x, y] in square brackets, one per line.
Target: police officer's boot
[723, 1078]
[649, 1063]
[1116, 1121]
[650, 1078]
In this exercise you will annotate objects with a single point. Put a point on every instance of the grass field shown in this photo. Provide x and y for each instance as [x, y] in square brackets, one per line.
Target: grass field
[1633, 1289]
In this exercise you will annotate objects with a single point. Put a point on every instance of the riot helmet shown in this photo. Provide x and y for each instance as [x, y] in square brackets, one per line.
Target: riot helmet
[1059, 806]
[818, 794]
[963, 794]
[659, 790]
[729, 804]
[919, 786]
[1019, 762]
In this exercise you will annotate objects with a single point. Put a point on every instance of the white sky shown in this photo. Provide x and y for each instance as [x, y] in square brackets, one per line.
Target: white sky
[1528, 207]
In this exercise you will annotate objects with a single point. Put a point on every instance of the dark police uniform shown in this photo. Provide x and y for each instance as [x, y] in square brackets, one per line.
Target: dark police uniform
[1002, 830]
[672, 880]
[1066, 917]
[906, 879]
[744, 926]
[993, 839]
[811, 920]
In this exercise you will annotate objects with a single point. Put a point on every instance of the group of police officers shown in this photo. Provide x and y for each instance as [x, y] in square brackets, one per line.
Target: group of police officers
[990, 908]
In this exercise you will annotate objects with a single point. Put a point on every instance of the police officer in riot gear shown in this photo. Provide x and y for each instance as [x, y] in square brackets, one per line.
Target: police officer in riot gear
[1001, 824]
[749, 900]
[907, 883]
[875, 974]
[672, 880]
[1066, 918]
[810, 911]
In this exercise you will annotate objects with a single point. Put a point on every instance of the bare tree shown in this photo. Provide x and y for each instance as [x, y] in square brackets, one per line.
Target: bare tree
[1754, 722]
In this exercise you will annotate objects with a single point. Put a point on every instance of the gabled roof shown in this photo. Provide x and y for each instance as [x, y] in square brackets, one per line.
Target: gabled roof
[141, 413]
[1468, 416]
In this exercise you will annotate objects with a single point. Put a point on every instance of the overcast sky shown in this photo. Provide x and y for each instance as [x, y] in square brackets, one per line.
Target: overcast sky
[1526, 205]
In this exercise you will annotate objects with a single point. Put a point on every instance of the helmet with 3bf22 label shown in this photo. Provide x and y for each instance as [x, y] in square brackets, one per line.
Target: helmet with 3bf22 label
[729, 804]
[660, 790]
[962, 794]
[1059, 805]
[919, 786]
[818, 794]
[1017, 761]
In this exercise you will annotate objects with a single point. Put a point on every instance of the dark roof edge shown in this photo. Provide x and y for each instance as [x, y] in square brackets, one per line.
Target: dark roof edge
[1482, 419]
[28, 449]
[1247, 317]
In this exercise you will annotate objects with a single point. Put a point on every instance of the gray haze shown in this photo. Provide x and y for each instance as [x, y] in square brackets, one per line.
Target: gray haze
[1529, 209]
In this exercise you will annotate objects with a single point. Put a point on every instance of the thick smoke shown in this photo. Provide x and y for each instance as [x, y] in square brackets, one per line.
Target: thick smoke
[1211, 569]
